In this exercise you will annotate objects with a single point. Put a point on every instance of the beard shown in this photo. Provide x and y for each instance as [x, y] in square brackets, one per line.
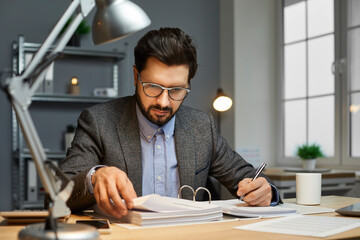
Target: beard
[158, 120]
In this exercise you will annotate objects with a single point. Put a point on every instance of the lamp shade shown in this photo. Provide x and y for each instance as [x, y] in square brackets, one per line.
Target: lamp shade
[116, 19]
[222, 102]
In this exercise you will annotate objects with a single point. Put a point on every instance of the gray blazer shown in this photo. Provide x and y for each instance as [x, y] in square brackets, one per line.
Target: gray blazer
[108, 134]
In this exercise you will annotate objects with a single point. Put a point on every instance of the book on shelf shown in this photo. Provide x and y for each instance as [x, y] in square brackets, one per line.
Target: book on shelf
[154, 209]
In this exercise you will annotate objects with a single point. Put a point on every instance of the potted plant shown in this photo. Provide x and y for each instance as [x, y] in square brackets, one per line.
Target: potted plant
[82, 29]
[309, 153]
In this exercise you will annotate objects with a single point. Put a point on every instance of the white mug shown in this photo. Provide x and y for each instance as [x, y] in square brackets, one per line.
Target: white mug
[308, 188]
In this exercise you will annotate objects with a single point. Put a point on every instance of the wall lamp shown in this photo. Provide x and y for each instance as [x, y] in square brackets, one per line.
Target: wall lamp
[222, 103]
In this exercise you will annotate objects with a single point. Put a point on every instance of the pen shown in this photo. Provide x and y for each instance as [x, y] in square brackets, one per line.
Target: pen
[258, 171]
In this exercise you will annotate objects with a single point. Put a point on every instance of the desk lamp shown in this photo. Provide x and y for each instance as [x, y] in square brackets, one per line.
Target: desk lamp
[114, 19]
[222, 103]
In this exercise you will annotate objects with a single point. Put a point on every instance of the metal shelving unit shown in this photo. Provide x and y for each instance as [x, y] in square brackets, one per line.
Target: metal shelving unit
[68, 98]
[22, 163]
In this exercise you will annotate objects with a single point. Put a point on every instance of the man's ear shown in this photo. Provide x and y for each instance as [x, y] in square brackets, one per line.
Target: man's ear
[135, 72]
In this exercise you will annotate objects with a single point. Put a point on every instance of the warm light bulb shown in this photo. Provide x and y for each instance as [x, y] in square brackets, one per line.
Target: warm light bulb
[222, 103]
[354, 108]
[74, 81]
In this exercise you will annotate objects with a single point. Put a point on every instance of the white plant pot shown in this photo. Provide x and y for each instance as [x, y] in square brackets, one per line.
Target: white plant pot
[309, 164]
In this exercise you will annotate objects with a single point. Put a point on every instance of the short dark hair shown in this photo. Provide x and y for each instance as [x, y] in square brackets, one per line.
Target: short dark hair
[171, 46]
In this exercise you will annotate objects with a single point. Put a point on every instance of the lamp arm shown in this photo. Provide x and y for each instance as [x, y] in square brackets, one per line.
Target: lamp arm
[58, 199]
[20, 90]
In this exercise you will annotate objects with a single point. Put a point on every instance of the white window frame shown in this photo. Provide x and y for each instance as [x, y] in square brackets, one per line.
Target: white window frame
[341, 158]
[346, 159]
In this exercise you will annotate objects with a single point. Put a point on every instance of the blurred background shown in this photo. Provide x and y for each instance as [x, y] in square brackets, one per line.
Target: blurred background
[291, 68]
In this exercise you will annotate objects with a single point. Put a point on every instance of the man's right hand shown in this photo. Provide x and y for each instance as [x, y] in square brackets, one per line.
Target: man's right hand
[110, 185]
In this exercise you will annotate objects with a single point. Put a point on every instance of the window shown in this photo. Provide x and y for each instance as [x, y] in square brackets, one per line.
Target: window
[351, 91]
[321, 81]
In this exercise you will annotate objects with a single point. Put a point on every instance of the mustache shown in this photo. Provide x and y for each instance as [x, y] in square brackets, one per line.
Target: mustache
[158, 107]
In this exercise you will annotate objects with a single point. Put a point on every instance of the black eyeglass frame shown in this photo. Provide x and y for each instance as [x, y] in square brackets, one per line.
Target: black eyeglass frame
[164, 88]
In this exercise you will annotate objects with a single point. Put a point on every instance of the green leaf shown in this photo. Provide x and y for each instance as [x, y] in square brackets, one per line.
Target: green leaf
[307, 151]
[83, 28]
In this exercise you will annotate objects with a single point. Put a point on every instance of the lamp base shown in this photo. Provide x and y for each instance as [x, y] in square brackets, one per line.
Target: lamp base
[65, 231]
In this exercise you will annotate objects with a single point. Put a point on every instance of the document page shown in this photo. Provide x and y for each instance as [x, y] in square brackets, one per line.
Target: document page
[303, 209]
[241, 209]
[307, 225]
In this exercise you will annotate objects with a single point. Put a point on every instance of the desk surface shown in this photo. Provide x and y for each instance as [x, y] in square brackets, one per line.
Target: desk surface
[278, 174]
[208, 231]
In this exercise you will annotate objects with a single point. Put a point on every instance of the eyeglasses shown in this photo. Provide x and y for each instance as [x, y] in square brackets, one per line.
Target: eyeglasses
[155, 90]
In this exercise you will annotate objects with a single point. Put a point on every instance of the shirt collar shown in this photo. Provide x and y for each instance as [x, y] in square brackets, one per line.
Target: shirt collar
[149, 129]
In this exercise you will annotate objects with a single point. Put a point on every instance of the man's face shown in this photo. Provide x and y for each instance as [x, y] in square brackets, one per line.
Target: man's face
[159, 110]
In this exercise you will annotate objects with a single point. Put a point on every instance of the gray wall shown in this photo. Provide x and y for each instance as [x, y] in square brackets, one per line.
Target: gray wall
[249, 47]
[35, 19]
[256, 79]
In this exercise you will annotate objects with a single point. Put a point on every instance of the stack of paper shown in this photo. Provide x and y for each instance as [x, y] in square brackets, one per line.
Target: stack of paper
[154, 209]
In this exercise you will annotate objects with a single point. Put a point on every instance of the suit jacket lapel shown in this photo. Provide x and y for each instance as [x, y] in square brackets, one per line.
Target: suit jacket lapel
[185, 152]
[129, 135]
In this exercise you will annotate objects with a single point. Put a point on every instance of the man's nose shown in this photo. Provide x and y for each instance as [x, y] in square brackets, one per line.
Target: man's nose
[164, 99]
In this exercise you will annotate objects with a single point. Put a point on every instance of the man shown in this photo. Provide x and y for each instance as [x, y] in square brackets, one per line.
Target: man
[150, 143]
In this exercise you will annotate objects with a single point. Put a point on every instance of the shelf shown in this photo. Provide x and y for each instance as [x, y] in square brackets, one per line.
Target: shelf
[69, 98]
[33, 205]
[51, 155]
[28, 194]
[76, 51]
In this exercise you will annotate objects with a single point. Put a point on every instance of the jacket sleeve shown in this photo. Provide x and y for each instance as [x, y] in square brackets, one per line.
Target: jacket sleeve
[85, 152]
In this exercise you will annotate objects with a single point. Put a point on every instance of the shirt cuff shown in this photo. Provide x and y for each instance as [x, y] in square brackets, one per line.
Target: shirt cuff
[89, 185]
[275, 196]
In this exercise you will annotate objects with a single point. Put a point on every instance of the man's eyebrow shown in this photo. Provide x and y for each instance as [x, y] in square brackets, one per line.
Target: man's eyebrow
[174, 86]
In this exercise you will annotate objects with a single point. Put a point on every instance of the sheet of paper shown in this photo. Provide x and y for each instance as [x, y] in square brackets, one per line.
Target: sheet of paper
[307, 225]
[302, 209]
[241, 209]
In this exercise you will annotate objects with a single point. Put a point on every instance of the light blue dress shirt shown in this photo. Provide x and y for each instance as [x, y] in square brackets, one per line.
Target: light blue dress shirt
[159, 163]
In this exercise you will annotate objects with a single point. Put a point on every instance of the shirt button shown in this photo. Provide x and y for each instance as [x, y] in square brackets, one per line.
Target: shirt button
[148, 136]
[167, 136]
[159, 178]
[158, 147]
[159, 129]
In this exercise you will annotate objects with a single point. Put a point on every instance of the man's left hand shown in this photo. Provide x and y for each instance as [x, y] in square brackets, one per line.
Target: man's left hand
[257, 192]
